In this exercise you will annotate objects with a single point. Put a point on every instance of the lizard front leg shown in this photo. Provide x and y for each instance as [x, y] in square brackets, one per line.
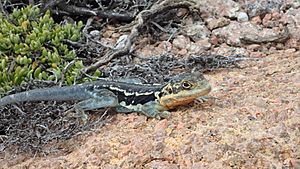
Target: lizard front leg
[150, 109]
[154, 109]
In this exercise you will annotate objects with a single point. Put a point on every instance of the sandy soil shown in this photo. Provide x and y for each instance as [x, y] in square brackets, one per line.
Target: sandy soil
[251, 121]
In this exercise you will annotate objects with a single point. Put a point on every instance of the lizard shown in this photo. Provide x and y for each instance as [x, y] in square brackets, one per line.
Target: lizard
[131, 95]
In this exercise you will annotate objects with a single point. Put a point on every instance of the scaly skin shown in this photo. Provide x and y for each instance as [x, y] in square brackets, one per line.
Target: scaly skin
[153, 100]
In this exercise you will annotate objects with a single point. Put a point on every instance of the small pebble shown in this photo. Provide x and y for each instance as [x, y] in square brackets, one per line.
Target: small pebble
[95, 33]
[242, 17]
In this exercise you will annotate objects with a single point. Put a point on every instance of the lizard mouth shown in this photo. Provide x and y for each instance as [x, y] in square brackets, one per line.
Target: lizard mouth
[185, 96]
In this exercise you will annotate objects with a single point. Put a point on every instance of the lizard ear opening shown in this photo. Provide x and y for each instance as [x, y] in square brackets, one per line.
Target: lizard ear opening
[168, 89]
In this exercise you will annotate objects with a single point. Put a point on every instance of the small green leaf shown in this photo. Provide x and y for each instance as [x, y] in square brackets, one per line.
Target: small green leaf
[97, 73]
[37, 72]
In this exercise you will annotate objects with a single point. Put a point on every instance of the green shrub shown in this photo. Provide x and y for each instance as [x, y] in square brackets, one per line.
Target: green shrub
[31, 47]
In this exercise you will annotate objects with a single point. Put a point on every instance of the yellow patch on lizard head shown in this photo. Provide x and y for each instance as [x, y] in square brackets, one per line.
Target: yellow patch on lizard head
[184, 89]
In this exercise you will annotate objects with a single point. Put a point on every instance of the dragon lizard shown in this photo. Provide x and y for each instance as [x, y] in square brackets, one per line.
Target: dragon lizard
[152, 100]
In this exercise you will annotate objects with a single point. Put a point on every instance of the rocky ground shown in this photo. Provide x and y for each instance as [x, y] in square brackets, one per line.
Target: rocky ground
[251, 120]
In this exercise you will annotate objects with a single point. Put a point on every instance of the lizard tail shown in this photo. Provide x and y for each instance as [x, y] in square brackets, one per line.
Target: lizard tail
[33, 95]
[47, 94]
[6, 100]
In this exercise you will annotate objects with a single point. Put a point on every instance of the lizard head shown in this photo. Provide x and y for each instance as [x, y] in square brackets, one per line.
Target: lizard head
[183, 89]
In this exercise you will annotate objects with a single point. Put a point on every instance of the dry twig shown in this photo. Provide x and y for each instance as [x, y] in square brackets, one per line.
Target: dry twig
[141, 19]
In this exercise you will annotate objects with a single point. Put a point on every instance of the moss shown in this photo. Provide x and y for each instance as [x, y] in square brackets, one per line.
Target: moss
[31, 46]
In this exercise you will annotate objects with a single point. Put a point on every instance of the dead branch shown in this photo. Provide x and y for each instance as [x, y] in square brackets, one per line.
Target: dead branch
[84, 11]
[74, 10]
[141, 20]
[50, 4]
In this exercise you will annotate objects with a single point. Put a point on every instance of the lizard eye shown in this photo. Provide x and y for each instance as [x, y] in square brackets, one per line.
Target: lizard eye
[186, 85]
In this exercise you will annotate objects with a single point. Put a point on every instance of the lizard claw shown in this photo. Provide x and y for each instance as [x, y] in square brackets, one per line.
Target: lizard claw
[163, 115]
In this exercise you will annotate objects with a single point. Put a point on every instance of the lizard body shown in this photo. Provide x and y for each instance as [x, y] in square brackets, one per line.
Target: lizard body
[153, 100]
